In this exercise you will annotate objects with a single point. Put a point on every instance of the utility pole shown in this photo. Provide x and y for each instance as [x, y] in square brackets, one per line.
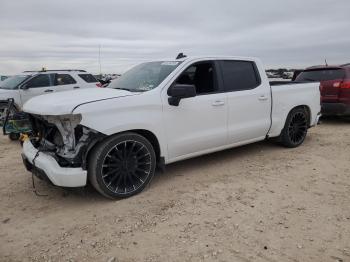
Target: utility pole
[99, 59]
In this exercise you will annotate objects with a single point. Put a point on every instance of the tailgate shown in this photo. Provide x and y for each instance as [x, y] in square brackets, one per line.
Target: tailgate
[330, 79]
[330, 90]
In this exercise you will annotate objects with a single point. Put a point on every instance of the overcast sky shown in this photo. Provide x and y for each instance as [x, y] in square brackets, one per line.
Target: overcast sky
[66, 34]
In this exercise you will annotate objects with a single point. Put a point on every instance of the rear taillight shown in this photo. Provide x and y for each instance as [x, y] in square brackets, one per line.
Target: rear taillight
[330, 83]
[98, 84]
[336, 84]
[345, 84]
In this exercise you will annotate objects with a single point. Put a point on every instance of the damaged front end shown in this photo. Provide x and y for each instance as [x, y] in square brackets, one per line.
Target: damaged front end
[64, 138]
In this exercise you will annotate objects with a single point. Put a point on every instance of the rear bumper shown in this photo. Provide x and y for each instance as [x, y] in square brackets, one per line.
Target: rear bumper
[335, 109]
[46, 167]
[317, 121]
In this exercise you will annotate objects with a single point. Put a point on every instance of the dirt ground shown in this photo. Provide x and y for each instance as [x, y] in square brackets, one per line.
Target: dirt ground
[259, 202]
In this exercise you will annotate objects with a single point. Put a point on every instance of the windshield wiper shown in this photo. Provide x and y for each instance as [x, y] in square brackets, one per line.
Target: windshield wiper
[121, 88]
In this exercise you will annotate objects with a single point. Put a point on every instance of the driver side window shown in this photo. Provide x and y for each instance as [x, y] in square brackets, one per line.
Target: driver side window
[202, 76]
[39, 81]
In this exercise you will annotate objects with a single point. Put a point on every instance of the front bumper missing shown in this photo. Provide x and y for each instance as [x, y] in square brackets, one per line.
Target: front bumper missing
[47, 167]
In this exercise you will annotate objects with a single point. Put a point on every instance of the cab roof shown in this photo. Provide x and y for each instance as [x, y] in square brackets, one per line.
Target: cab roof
[343, 66]
[214, 57]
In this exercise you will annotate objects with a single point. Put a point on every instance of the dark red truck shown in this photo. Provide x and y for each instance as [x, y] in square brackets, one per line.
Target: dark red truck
[334, 86]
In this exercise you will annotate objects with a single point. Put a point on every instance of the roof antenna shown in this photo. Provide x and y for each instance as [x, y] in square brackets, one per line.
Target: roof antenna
[326, 62]
[181, 55]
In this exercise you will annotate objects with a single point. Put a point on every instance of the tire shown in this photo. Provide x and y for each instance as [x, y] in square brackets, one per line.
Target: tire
[14, 136]
[295, 128]
[3, 107]
[122, 165]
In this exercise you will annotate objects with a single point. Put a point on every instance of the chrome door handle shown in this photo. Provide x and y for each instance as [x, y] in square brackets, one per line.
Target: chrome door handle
[218, 103]
[48, 91]
[263, 98]
[76, 87]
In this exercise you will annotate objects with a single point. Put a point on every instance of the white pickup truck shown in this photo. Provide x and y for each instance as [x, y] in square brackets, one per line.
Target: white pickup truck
[158, 113]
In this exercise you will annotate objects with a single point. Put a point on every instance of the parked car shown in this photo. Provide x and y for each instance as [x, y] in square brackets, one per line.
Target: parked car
[2, 78]
[104, 82]
[29, 84]
[158, 113]
[296, 73]
[335, 87]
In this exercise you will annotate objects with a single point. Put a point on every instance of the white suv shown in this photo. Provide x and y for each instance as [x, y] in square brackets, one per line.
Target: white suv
[29, 84]
[3, 78]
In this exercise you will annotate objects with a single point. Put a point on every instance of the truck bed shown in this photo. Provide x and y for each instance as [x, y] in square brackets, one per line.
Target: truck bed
[280, 83]
[286, 95]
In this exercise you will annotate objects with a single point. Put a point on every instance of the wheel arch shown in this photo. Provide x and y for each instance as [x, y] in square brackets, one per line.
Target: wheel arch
[306, 108]
[284, 138]
[150, 136]
[279, 119]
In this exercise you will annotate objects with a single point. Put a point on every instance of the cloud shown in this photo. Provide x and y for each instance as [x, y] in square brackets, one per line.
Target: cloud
[66, 34]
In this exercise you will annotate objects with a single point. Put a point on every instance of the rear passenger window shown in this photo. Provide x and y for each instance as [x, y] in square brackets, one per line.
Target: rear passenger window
[239, 75]
[88, 78]
[64, 79]
[321, 75]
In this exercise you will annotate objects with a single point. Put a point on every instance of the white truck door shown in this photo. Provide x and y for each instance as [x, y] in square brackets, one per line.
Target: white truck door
[197, 123]
[249, 101]
[38, 85]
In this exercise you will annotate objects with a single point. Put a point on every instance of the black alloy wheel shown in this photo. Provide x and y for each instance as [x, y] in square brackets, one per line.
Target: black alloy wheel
[295, 129]
[126, 167]
[123, 166]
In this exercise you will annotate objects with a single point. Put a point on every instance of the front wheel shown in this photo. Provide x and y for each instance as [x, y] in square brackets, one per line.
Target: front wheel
[122, 165]
[295, 128]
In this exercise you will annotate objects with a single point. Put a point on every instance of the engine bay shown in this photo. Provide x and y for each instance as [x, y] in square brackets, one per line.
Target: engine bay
[63, 138]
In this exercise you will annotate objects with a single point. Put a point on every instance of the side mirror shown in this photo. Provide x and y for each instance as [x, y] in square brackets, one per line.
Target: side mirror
[178, 92]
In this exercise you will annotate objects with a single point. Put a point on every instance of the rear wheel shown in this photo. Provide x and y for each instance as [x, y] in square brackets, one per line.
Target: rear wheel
[295, 128]
[14, 136]
[122, 165]
[3, 108]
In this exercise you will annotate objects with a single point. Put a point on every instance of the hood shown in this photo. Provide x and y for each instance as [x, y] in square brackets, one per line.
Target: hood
[9, 93]
[6, 92]
[65, 102]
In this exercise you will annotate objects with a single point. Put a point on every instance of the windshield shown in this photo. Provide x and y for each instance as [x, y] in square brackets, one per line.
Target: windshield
[321, 75]
[144, 77]
[13, 82]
